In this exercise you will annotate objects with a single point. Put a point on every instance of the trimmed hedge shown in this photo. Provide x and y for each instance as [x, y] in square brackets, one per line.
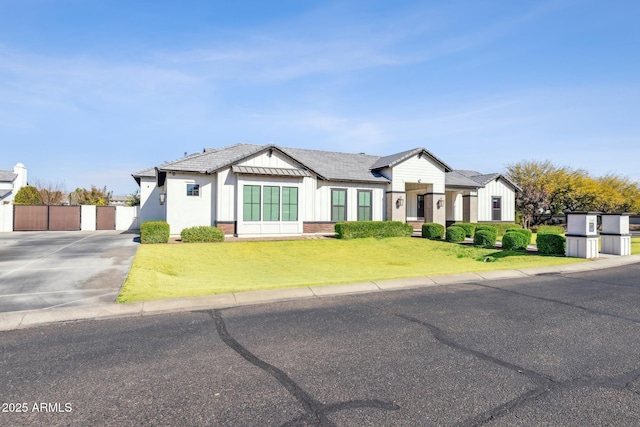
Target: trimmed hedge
[514, 241]
[377, 229]
[433, 231]
[501, 227]
[522, 231]
[485, 238]
[154, 232]
[550, 229]
[455, 234]
[202, 234]
[551, 244]
[469, 228]
[493, 230]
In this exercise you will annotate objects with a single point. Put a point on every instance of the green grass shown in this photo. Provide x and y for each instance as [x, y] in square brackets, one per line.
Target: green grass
[635, 245]
[183, 270]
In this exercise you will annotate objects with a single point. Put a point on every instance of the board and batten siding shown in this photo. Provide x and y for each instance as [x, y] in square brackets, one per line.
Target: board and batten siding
[415, 170]
[189, 211]
[454, 205]
[276, 160]
[226, 183]
[322, 203]
[496, 189]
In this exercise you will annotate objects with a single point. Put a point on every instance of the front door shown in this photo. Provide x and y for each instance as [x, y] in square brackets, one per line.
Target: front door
[420, 213]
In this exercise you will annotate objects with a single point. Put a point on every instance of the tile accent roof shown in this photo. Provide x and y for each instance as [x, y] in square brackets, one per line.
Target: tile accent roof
[147, 173]
[255, 170]
[7, 176]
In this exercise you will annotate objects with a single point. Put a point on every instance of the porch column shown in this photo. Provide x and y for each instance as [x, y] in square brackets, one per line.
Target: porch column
[470, 208]
[396, 206]
[434, 208]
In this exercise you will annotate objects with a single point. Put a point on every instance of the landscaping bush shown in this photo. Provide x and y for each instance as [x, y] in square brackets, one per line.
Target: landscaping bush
[514, 241]
[154, 232]
[202, 234]
[500, 227]
[377, 229]
[522, 231]
[485, 238]
[432, 231]
[550, 229]
[455, 234]
[551, 244]
[488, 228]
[468, 228]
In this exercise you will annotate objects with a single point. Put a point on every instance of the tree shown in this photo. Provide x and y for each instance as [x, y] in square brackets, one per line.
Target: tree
[51, 193]
[27, 195]
[133, 199]
[95, 196]
[532, 203]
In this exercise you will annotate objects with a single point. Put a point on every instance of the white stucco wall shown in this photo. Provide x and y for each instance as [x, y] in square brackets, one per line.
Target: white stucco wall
[150, 207]
[6, 218]
[188, 211]
[454, 205]
[88, 217]
[127, 217]
[416, 169]
[496, 189]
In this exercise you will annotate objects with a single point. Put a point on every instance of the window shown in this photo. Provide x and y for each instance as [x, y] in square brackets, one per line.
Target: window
[420, 213]
[364, 205]
[251, 203]
[338, 205]
[271, 205]
[193, 189]
[496, 208]
[289, 203]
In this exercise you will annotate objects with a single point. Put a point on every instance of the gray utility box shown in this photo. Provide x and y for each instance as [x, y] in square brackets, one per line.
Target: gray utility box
[582, 234]
[616, 239]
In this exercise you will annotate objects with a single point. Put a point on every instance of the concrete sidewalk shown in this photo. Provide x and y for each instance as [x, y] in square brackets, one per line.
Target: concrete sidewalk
[25, 319]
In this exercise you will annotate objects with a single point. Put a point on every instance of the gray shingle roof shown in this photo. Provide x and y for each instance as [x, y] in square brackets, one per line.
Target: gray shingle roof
[394, 159]
[147, 173]
[7, 176]
[486, 178]
[4, 193]
[456, 179]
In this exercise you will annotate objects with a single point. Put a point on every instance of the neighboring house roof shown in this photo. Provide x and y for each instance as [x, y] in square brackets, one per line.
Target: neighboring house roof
[4, 193]
[484, 179]
[456, 179]
[7, 176]
[394, 159]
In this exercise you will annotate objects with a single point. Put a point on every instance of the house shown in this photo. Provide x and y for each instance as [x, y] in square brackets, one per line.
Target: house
[250, 190]
[11, 181]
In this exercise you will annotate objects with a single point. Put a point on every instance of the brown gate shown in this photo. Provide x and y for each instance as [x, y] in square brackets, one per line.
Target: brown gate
[106, 218]
[43, 218]
[64, 218]
[30, 218]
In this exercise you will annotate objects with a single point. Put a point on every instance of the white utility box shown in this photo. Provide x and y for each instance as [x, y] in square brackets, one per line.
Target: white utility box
[616, 239]
[582, 234]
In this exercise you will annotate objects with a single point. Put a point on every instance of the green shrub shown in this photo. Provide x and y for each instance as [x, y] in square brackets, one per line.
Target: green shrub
[551, 244]
[154, 232]
[433, 231]
[468, 228]
[377, 229]
[500, 227]
[455, 234]
[522, 231]
[485, 238]
[202, 234]
[550, 229]
[514, 241]
[492, 229]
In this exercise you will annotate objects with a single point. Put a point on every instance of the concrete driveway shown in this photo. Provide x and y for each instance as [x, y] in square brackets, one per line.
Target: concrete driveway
[40, 270]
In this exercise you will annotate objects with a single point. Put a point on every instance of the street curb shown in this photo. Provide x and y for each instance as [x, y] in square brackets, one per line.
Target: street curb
[26, 319]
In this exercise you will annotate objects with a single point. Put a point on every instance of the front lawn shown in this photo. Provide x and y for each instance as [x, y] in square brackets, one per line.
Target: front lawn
[635, 245]
[183, 270]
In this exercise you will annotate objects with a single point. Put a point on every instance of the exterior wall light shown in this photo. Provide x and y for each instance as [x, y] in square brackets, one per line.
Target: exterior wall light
[400, 202]
[163, 197]
[440, 203]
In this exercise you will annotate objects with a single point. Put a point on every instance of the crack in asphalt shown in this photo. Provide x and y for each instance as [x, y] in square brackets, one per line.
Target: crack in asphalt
[544, 383]
[568, 304]
[316, 412]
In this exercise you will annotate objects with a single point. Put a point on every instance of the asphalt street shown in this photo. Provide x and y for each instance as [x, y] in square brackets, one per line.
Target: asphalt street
[546, 350]
[40, 270]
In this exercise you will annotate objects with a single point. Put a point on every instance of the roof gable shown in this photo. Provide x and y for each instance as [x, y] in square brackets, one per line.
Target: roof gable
[394, 159]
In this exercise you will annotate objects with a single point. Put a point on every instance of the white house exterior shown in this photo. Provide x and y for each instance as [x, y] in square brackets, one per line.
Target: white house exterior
[11, 181]
[252, 190]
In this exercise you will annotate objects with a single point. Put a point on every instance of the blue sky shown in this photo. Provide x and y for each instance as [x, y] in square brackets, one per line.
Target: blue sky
[93, 90]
